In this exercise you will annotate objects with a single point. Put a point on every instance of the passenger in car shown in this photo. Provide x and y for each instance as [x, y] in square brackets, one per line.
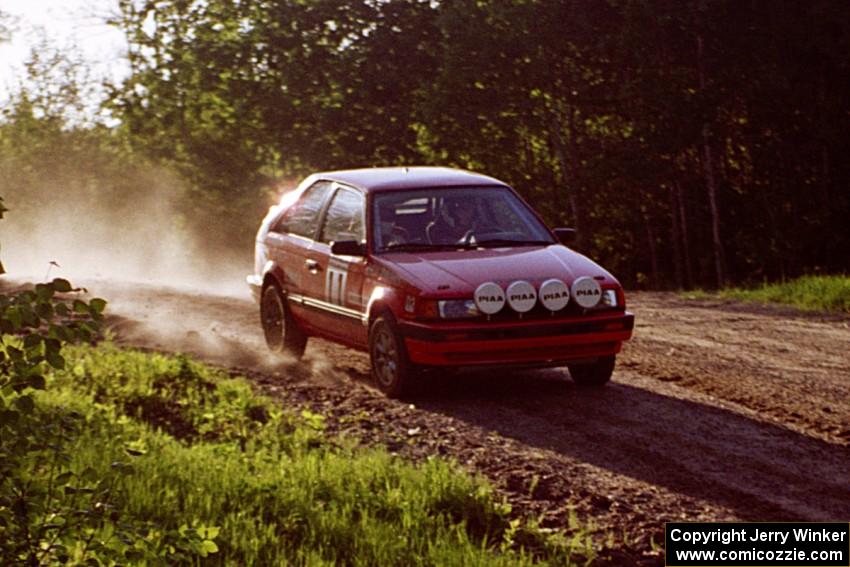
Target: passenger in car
[392, 233]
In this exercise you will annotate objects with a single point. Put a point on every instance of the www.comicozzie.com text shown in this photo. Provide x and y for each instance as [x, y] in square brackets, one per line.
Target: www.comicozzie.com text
[743, 534]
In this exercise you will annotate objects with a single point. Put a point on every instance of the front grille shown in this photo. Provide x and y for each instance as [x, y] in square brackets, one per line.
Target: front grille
[538, 312]
[487, 333]
[547, 353]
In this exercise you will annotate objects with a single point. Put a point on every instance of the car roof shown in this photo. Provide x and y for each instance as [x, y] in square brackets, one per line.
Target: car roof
[391, 178]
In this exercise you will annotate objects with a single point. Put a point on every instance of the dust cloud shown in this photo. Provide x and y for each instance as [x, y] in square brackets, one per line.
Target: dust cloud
[217, 329]
[170, 283]
[136, 233]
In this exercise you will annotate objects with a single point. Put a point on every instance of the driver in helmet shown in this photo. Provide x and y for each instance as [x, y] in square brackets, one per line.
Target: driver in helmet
[456, 218]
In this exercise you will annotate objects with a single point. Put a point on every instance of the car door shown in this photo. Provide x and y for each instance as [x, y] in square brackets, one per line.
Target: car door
[336, 288]
[289, 242]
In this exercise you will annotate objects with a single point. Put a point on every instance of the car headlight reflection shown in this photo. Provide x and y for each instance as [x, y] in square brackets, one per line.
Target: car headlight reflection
[457, 308]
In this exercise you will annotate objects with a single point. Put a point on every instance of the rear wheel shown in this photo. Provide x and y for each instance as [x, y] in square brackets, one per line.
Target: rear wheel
[391, 369]
[281, 332]
[594, 374]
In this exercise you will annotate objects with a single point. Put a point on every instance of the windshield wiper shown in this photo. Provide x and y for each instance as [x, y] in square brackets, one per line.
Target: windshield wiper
[495, 242]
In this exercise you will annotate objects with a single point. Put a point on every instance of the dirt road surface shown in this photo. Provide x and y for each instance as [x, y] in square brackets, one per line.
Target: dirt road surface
[717, 411]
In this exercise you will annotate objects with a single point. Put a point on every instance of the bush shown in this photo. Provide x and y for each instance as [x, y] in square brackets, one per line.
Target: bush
[822, 293]
[51, 509]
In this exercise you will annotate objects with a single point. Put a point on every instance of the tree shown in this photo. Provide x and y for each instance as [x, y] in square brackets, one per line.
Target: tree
[692, 143]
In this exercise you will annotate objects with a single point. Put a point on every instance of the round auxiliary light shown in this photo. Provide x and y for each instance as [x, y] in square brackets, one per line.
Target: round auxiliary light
[489, 298]
[586, 292]
[521, 296]
[554, 294]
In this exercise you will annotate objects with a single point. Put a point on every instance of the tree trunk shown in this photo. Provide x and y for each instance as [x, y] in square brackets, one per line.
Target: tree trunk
[675, 231]
[653, 252]
[686, 249]
[563, 164]
[708, 172]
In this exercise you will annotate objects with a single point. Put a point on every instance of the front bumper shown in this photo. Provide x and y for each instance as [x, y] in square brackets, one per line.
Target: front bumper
[534, 342]
[255, 283]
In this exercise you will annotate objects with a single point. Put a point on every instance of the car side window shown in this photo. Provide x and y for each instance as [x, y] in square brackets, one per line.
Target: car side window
[344, 219]
[301, 218]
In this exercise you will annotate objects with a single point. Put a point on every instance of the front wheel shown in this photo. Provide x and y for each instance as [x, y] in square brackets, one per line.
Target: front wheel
[594, 374]
[281, 332]
[391, 368]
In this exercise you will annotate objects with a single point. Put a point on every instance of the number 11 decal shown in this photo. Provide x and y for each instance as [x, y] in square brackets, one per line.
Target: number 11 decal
[337, 276]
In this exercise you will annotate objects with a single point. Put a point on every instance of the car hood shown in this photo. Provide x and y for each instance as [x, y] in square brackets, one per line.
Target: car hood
[460, 272]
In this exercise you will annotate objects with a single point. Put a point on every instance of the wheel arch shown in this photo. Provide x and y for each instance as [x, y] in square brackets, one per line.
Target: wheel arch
[271, 277]
[381, 303]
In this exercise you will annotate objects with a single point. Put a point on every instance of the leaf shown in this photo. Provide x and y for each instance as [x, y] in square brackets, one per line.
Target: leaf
[64, 477]
[208, 547]
[61, 332]
[25, 404]
[81, 307]
[62, 285]
[37, 382]
[52, 346]
[44, 291]
[30, 319]
[97, 305]
[9, 417]
[55, 360]
[44, 311]
[209, 532]
[13, 315]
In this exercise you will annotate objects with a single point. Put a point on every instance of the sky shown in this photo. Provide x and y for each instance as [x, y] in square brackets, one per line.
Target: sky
[65, 23]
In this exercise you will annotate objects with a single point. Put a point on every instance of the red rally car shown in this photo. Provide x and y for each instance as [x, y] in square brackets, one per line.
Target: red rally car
[428, 267]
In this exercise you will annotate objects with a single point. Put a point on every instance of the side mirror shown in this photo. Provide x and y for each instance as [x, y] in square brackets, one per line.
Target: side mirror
[566, 235]
[348, 248]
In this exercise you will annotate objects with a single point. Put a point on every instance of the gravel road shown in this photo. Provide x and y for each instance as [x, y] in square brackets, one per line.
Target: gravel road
[717, 411]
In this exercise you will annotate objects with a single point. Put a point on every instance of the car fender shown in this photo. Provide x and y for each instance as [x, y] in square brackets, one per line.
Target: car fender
[273, 274]
[382, 299]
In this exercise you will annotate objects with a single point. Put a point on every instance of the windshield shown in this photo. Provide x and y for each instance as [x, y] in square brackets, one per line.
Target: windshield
[447, 218]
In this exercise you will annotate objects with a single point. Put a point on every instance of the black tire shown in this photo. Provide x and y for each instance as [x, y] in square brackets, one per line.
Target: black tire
[281, 332]
[391, 368]
[595, 374]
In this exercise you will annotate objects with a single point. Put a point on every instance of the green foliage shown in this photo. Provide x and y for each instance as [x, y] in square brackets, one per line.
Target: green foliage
[267, 487]
[111, 456]
[602, 114]
[822, 293]
[613, 117]
[53, 507]
[34, 325]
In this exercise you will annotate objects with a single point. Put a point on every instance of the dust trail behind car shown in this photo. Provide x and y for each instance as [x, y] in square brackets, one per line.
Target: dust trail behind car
[136, 230]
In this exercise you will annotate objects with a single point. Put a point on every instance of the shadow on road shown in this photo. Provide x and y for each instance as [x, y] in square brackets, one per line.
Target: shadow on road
[762, 471]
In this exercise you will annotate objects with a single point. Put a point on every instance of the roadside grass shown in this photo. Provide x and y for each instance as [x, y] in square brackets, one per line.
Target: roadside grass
[188, 448]
[813, 293]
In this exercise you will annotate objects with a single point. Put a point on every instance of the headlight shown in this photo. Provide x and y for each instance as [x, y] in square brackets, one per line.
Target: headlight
[457, 308]
[609, 298]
